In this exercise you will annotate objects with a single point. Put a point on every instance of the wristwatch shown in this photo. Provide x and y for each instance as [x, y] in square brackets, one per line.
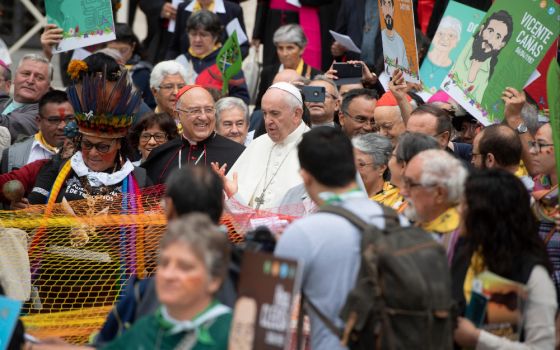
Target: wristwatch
[521, 128]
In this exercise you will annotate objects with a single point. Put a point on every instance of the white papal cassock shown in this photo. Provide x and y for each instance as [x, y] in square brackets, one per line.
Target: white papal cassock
[267, 170]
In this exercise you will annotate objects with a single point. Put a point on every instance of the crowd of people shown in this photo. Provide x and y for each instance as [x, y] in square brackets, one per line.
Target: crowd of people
[138, 114]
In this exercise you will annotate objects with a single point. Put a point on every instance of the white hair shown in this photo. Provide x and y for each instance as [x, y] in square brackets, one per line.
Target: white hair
[377, 146]
[227, 103]
[290, 33]
[165, 68]
[441, 168]
[451, 23]
[37, 58]
[292, 101]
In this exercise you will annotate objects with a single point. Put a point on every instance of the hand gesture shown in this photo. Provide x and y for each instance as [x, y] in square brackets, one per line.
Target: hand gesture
[256, 43]
[514, 101]
[398, 85]
[337, 50]
[21, 204]
[368, 77]
[466, 334]
[168, 11]
[230, 186]
[331, 73]
[52, 35]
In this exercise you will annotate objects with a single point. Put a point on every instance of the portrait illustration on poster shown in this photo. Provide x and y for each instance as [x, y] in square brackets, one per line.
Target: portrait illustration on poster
[476, 64]
[398, 38]
[84, 23]
[458, 24]
[510, 42]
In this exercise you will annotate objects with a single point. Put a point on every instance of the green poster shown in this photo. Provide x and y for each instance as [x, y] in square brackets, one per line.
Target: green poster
[510, 42]
[85, 22]
[457, 26]
[229, 60]
[552, 89]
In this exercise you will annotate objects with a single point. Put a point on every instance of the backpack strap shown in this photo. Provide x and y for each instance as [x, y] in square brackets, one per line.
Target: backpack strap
[390, 215]
[347, 214]
[304, 305]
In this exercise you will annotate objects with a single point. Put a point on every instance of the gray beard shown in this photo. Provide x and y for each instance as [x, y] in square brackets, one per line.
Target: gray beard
[410, 212]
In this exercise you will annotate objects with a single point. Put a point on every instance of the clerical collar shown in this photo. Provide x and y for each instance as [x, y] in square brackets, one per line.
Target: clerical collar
[295, 135]
[194, 143]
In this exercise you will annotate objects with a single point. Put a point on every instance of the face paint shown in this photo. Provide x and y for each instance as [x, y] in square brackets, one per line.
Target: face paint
[62, 112]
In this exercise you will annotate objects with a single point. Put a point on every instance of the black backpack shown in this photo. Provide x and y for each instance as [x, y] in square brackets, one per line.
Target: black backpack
[402, 297]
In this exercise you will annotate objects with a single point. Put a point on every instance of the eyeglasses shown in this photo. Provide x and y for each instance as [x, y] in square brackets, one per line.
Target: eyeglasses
[169, 87]
[408, 183]
[360, 119]
[100, 146]
[538, 146]
[331, 96]
[362, 165]
[228, 125]
[195, 112]
[57, 120]
[158, 136]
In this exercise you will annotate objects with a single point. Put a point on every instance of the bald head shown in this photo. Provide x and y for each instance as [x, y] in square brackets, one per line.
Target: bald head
[287, 76]
[499, 146]
[389, 121]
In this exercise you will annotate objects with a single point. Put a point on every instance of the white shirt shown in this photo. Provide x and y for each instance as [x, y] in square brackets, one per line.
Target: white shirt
[393, 47]
[38, 151]
[269, 168]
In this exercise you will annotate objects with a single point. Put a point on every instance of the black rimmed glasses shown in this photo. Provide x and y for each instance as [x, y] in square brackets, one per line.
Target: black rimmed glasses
[360, 119]
[538, 145]
[160, 137]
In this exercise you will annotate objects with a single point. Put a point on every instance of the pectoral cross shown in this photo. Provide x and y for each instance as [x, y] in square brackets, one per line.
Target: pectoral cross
[259, 200]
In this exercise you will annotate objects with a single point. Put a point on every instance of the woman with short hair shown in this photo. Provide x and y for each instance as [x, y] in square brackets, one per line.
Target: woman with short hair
[371, 155]
[204, 30]
[194, 258]
[152, 131]
[290, 42]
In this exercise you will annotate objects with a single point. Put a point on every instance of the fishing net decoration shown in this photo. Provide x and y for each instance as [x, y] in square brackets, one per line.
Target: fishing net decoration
[82, 254]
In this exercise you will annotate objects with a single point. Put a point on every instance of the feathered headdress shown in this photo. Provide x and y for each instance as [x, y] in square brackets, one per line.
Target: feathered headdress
[103, 111]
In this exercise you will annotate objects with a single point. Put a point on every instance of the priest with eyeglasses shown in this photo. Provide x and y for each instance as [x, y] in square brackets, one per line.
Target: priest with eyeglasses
[199, 144]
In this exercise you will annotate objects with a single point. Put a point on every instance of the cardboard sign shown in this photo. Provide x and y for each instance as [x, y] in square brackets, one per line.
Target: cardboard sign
[505, 306]
[510, 42]
[84, 23]
[399, 38]
[457, 26]
[263, 309]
